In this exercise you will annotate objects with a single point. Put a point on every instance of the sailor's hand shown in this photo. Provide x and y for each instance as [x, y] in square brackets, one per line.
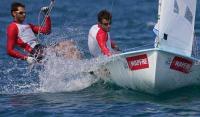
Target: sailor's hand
[45, 10]
[116, 48]
[31, 60]
[107, 53]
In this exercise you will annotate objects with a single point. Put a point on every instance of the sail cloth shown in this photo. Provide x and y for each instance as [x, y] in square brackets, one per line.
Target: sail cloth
[176, 26]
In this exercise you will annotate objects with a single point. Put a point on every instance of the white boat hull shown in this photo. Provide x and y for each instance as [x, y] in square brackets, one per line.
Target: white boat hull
[153, 71]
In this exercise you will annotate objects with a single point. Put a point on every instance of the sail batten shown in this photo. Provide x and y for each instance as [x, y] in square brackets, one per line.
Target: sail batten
[176, 25]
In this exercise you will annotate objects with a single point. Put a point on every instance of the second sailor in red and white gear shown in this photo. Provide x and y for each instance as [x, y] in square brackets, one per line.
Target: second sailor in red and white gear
[99, 41]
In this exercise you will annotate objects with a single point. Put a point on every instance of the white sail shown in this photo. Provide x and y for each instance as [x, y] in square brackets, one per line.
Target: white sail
[169, 65]
[176, 25]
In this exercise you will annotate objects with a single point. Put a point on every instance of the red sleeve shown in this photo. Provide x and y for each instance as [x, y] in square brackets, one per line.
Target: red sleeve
[102, 38]
[12, 35]
[46, 29]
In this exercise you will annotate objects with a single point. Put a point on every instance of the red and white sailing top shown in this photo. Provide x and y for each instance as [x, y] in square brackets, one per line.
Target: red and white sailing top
[99, 41]
[23, 35]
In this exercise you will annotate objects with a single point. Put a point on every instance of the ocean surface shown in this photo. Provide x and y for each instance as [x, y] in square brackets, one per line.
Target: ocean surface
[62, 88]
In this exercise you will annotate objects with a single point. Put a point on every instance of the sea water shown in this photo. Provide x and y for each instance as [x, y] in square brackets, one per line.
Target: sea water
[63, 87]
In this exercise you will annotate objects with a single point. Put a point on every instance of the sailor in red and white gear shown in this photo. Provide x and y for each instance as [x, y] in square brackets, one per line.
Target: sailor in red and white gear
[99, 41]
[23, 35]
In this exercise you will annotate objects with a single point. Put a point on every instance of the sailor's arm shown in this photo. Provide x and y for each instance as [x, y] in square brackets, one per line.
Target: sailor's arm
[101, 39]
[12, 32]
[46, 29]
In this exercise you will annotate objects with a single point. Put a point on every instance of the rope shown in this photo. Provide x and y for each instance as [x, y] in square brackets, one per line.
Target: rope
[45, 18]
[42, 24]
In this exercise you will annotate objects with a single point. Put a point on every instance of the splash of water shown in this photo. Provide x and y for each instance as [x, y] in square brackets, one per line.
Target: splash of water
[61, 74]
[55, 75]
[17, 79]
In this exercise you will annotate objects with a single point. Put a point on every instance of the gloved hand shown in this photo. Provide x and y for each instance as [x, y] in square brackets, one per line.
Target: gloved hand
[45, 9]
[31, 60]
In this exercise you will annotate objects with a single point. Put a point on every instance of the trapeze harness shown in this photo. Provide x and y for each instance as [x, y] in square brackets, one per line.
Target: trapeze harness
[23, 35]
[99, 41]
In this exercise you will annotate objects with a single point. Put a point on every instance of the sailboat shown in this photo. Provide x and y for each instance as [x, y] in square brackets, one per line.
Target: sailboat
[167, 66]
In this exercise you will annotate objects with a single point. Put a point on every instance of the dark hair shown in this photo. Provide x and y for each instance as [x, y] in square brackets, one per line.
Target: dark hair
[104, 14]
[15, 5]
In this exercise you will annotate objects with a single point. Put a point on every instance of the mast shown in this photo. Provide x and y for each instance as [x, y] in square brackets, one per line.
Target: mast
[156, 28]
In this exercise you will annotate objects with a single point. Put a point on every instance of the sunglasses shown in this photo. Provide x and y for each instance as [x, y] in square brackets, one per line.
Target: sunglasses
[106, 24]
[21, 12]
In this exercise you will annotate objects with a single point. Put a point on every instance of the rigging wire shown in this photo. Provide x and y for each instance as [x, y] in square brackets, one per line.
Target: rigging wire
[112, 5]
